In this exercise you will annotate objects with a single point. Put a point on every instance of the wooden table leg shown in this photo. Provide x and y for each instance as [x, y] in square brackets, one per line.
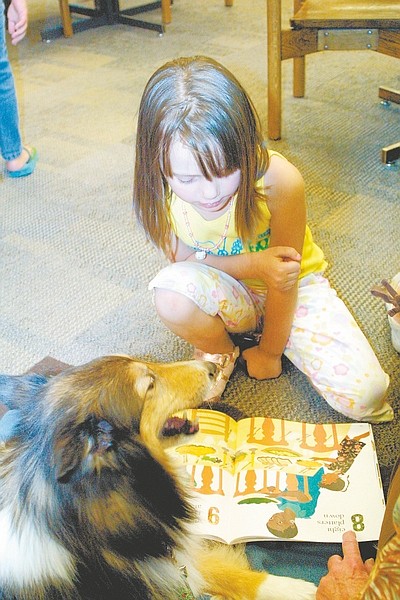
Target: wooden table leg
[166, 16]
[66, 18]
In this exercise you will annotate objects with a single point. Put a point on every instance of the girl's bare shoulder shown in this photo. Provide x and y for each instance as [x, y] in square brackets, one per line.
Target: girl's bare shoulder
[282, 173]
[283, 181]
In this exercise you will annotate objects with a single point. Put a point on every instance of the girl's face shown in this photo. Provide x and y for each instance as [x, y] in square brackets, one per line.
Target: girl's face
[209, 198]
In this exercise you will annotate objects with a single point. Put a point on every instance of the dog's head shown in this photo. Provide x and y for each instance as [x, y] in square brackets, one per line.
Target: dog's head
[87, 463]
[97, 407]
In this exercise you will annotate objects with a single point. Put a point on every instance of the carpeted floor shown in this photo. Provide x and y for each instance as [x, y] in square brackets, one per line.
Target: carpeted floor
[74, 266]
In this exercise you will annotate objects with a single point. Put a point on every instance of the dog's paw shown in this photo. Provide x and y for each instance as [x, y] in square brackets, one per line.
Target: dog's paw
[286, 588]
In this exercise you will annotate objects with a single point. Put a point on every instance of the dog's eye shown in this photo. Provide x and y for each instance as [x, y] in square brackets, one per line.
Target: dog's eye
[151, 383]
[104, 427]
[145, 384]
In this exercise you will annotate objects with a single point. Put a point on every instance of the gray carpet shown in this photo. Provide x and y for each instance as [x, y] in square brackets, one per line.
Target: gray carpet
[74, 266]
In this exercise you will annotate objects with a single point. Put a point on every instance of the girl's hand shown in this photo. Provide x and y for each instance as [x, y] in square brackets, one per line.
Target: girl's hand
[261, 365]
[278, 266]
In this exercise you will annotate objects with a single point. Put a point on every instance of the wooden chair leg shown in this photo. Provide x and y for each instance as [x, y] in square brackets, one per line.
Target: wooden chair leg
[299, 65]
[390, 154]
[299, 76]
[228, 2]
[274, 69]
[66, 18]
[166, 16]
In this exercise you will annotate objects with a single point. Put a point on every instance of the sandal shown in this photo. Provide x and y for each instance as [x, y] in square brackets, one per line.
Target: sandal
[28, 167]
[391, 296]
[226, 363]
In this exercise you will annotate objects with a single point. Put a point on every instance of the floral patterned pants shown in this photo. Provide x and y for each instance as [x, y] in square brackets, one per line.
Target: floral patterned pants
[325, 342]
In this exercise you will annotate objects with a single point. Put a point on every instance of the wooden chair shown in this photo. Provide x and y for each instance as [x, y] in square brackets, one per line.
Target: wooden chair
[318, 25]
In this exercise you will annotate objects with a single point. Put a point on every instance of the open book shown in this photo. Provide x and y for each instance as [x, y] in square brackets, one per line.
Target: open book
[270, 479]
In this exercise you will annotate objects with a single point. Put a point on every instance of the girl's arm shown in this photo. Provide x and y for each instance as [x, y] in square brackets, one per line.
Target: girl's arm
[279, 266]
[286, 201]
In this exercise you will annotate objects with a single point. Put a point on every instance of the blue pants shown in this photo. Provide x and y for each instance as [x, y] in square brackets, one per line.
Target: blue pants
[10, 137]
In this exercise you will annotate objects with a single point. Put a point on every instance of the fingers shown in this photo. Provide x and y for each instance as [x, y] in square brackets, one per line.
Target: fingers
[350, 546]
[369, 565]
[351, 556]
[17, 31]
[287, 253]
[351, 551]
[334, 561]
[17, 38]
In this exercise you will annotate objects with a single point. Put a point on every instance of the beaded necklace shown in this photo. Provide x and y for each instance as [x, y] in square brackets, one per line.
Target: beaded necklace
[201, 253]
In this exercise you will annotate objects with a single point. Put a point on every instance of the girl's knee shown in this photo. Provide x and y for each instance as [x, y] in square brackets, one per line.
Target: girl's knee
[363, 400]
[373, 405]
[173, 306]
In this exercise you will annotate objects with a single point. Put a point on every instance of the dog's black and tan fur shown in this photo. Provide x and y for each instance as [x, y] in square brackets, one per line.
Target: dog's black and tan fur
[90, 506]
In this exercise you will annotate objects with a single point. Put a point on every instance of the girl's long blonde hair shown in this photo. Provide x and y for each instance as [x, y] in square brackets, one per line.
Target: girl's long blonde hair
[198, 101]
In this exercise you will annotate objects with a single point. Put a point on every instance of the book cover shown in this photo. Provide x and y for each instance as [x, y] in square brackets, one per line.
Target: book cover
[270, 479]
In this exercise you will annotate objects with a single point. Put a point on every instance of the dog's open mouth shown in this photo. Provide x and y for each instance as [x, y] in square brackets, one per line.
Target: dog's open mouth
[178, 425]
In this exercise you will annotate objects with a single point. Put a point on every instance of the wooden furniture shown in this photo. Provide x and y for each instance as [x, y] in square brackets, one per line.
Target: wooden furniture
[318, 25]
[391, 153]
[107, 12]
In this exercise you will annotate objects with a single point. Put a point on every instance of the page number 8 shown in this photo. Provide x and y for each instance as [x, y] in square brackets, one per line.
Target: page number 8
[358, 522]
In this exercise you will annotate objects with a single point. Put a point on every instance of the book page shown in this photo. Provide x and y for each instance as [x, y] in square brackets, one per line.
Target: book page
[284, 480]
[209, 459]
[212, 498]
[324, 479]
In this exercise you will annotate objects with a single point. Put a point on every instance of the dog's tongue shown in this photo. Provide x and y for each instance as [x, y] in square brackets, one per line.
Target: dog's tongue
[177, 425]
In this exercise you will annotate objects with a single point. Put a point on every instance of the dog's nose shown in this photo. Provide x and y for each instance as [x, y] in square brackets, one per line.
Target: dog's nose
[212, 369]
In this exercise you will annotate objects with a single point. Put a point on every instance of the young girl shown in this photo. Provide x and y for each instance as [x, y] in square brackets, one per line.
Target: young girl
[230, 216]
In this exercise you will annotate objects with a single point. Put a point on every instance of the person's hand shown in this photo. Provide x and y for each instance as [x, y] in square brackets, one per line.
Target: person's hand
[347, 576]
[278, 266]
[261, 365]
[17, 16]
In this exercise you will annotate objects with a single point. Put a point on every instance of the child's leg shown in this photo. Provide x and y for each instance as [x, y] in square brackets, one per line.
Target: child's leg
[201, 304]
[182, 316]
[329, 347]
[10, 139]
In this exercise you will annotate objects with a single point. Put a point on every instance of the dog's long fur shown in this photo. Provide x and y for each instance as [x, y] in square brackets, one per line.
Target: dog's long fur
[90, 506]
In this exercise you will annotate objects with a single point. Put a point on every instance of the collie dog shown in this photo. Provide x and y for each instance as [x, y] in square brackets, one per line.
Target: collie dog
[91, 507]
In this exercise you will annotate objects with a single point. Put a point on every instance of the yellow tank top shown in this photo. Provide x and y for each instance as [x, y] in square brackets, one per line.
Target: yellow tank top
[209, 234]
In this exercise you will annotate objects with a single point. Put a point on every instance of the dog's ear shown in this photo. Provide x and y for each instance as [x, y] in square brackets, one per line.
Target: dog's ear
[83, 448]
[67, 458]
[18, 390]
